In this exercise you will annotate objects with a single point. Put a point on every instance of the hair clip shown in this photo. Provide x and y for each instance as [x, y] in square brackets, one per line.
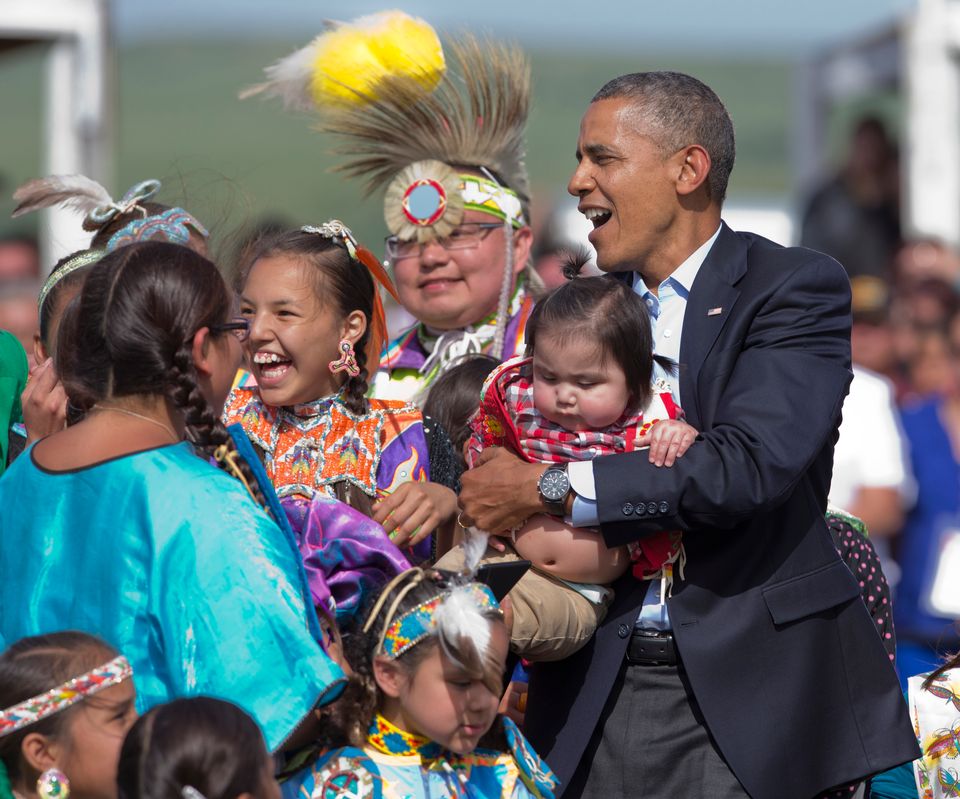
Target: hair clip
[135, 195]
[335, 229]
[189, 792]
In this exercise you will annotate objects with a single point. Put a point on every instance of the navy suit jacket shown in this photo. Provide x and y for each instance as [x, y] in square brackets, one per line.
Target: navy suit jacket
[782, 656]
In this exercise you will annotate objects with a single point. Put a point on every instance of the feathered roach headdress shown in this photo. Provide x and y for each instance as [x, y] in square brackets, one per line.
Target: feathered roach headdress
[440, 141]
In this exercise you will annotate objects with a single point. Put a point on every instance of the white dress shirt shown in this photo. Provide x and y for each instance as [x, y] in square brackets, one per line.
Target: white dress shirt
[667, 308]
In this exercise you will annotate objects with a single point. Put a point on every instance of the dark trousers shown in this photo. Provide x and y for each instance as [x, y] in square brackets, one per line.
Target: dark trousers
[651, 742]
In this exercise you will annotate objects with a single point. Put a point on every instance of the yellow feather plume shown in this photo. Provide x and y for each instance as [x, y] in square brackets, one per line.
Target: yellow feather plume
[353, 58]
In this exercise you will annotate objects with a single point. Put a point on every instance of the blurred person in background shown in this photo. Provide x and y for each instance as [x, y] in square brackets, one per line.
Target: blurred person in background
[926, 259]
[19, 258]
[926, 610]
[562, 233]
[920, 313]
[855, 217]
[18, 310]
[871, 474]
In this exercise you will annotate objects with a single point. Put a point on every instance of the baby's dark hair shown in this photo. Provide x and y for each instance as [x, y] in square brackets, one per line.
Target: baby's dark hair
[338, 279]
[32, 666]
[201, 742]
[608, 312]
[360, 701]
[455, 396]
[131, 333]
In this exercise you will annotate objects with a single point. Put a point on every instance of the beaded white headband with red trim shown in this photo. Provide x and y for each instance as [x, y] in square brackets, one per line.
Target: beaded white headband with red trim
[63, 696]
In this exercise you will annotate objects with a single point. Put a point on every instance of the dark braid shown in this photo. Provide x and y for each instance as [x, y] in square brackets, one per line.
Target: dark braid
[131, 334]
[355, 389]
[204, 428]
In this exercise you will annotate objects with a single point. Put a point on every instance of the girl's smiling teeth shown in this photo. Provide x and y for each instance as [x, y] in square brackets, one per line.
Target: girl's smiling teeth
[272, 365]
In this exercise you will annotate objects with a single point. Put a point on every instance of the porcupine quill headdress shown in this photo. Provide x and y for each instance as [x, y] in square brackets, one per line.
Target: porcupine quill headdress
[406, 123]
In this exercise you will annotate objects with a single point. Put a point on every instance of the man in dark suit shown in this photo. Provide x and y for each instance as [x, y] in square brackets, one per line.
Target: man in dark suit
[762, 674]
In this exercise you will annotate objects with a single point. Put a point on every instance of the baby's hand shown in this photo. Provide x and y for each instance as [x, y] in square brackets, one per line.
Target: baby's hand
[414, 511]
[668, 439]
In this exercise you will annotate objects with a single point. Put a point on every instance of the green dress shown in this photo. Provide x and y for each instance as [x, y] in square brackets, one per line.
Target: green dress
[13, 379]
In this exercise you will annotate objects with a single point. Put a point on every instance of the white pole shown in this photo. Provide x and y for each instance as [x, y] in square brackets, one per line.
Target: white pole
[932, 157]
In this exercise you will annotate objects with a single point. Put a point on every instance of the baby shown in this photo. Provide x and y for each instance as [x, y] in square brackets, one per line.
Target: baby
[586, 388]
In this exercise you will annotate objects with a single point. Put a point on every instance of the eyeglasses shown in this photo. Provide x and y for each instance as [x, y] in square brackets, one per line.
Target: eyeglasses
[239, 327]
[464, 237]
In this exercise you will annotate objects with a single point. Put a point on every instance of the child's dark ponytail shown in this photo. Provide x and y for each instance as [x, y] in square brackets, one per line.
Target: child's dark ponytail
[202, 743]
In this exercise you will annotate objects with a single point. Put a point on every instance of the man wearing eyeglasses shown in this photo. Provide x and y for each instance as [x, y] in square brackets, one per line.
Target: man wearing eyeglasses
[456, 203]
[453, 285]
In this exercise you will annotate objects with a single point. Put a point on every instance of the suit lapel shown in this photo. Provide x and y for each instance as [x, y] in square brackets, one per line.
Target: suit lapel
[710, 304]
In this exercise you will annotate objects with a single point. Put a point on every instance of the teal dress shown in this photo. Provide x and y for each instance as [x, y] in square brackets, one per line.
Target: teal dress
[168, 559]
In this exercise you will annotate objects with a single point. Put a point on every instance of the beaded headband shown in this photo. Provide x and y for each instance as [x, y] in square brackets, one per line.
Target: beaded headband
[427, 200]
[406, 631]
[80, 260]
[173, 225]
[63, 696]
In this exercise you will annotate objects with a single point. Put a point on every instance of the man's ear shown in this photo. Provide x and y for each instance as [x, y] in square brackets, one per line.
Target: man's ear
[201, 351]
[389, 676]
[522, 244]
[39, 751]
[693, 168]
[353, 326]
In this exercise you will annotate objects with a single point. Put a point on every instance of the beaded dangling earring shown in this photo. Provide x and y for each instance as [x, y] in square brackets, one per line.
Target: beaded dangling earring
[347, 362]
[53, 784]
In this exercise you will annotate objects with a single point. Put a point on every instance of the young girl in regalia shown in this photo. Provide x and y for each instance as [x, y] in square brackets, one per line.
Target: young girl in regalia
[316, 329]
[429, 663]
[66, 701]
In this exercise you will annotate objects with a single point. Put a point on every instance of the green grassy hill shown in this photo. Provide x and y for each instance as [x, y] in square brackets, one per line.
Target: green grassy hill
[231, 162]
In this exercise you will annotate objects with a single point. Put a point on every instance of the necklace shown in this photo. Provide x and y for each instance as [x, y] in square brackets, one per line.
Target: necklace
[136, 415]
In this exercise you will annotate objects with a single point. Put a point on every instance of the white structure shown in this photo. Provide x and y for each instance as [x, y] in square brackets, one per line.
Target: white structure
[920, 57]
[78, 120]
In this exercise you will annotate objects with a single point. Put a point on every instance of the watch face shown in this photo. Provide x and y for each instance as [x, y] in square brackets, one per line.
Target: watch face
[554, 485]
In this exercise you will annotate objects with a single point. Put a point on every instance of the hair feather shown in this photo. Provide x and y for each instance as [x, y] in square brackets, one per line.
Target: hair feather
[69, 191]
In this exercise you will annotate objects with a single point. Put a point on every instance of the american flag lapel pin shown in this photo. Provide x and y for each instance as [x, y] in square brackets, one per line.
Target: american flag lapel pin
[715, 311]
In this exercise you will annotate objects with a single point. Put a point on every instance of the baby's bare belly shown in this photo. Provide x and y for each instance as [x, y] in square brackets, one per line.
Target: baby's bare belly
[570, 553]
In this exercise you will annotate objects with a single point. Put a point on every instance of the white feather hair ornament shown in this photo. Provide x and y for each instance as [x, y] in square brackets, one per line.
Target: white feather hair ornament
[70, 191]
[346, 62]
[461, 616]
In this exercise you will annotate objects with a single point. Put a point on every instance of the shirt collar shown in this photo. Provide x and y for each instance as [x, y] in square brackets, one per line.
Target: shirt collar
[684, 275]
